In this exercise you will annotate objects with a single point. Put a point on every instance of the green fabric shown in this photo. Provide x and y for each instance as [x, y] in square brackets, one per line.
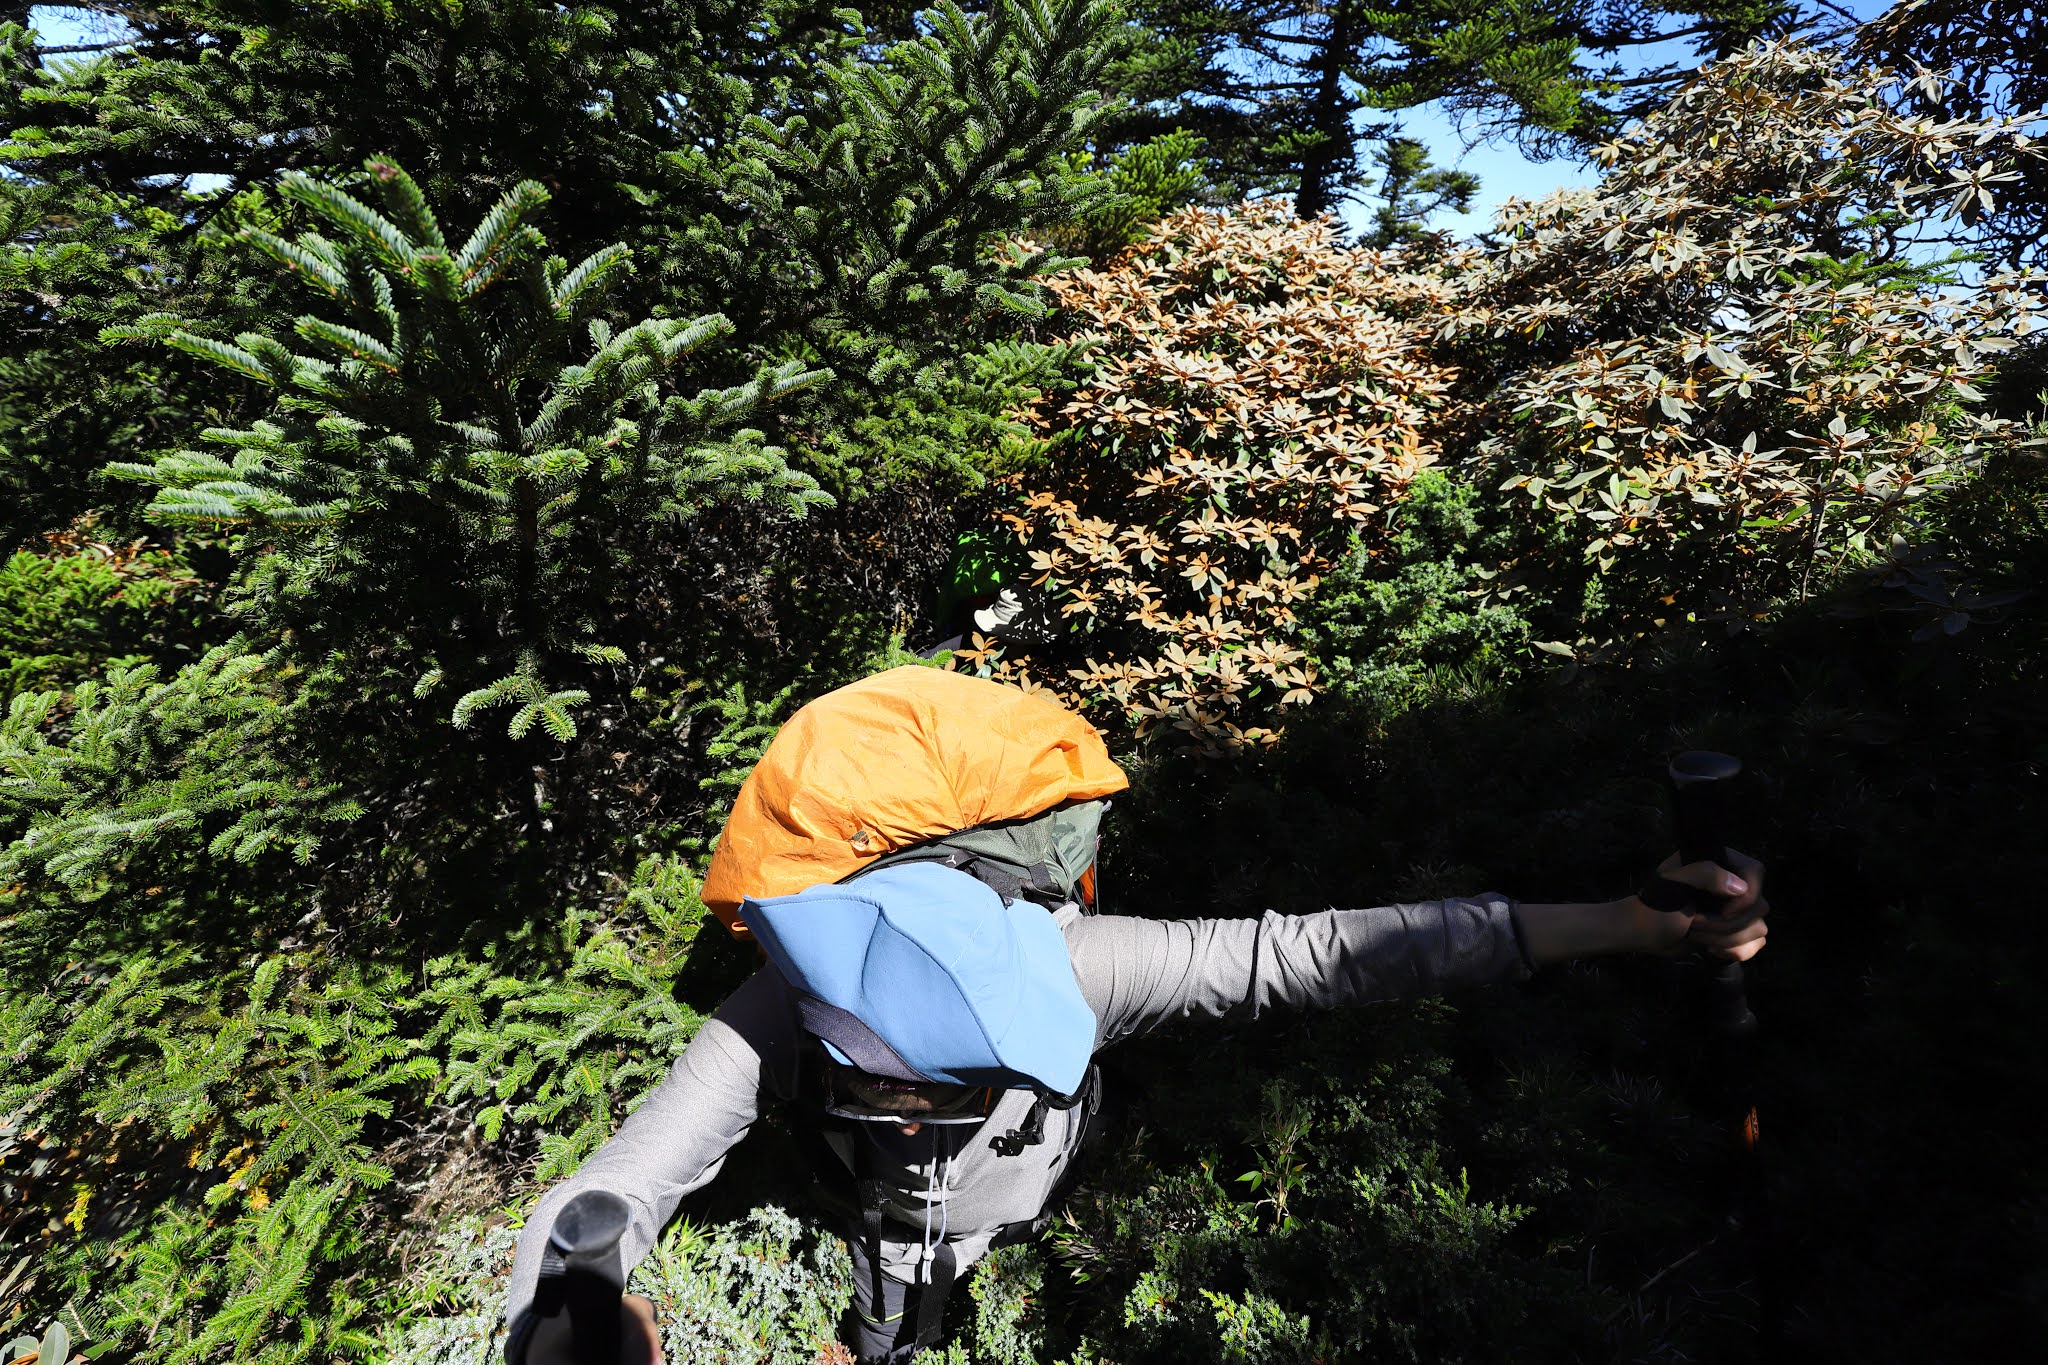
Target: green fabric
[1049, 851]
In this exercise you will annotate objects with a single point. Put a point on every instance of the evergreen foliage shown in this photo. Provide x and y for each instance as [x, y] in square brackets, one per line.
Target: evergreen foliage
[82, 603]
[1386, 640]
[1411, 191]
[1280, 92]
[1147, 182]
[205, 744]
[77, 255]
[274, 1079]
[830, 189]
[767, 1289]
[440, 441]
[313, 932]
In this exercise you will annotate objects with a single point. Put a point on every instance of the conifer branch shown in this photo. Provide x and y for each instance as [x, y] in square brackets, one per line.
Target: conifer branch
[449, 391]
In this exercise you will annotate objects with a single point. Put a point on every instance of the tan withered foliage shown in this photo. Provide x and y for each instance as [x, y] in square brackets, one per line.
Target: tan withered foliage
[1712, 366]
[1258, 394]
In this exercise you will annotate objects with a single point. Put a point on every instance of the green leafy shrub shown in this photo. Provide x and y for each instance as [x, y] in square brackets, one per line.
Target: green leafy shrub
[461, 1286]
[53, 1347]
[1877, 766]
[1349, 1236]
[1006, 1300]
[762, 1290]
[766, 1289]
[1389, 637]
[81, 604]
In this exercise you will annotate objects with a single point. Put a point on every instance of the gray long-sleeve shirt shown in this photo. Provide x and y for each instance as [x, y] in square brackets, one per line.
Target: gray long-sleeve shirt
[1136, 974]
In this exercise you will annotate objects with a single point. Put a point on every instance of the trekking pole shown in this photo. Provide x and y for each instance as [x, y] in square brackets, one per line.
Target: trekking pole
[1700, 782]
[582, 1270]
[1699, 800]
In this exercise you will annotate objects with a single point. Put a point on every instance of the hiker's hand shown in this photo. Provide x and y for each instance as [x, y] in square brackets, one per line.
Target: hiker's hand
[639, 1337]
[1737, 932]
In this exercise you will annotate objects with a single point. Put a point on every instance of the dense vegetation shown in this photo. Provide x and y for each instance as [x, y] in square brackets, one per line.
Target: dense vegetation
[415, 530]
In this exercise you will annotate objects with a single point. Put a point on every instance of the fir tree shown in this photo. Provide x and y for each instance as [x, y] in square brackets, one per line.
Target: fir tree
[838, 196]
[441, 460]
[1278, 90]
[1411, 191]
[780, 163]
[77, 255]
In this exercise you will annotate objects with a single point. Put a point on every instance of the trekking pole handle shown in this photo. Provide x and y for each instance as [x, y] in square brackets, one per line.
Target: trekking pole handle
[1699, 801]
[583, 1271]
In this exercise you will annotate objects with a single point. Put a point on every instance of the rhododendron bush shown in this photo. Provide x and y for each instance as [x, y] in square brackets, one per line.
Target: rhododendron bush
[1721, 369]
[1701, 388]
[1259, 394]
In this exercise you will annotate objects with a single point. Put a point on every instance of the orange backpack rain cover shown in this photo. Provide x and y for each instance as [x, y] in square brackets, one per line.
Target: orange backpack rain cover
[890, 761]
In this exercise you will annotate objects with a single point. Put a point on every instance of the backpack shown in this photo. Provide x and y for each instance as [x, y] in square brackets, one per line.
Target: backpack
[920, 764]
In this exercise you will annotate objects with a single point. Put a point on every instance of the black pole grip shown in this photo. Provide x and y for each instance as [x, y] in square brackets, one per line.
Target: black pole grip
[1699, 801]
[583, 1271]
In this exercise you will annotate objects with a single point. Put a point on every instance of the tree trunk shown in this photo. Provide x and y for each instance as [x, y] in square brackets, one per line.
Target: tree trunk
[1324, 165]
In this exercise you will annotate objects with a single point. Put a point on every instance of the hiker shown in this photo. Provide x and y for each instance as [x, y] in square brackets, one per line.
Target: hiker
[939, 1035]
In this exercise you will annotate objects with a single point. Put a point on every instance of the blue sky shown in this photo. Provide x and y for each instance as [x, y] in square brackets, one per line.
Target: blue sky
[1504, 173]
[63, 24]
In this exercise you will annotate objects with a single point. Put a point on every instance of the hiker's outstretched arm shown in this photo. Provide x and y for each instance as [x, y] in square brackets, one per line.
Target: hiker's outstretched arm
[1138, 974]
[676, 1141]
[1554, 933]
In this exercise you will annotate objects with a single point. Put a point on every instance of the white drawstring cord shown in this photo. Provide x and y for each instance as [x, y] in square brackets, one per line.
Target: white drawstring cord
[937, 1185]
[945, 1189]
[931, 1180]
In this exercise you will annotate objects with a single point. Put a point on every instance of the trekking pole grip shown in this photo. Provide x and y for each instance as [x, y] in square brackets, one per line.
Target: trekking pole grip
[1700, 780]
[587, 1273]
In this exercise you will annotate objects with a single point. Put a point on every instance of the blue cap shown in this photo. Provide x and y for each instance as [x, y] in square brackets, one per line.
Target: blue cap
[921, 973]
